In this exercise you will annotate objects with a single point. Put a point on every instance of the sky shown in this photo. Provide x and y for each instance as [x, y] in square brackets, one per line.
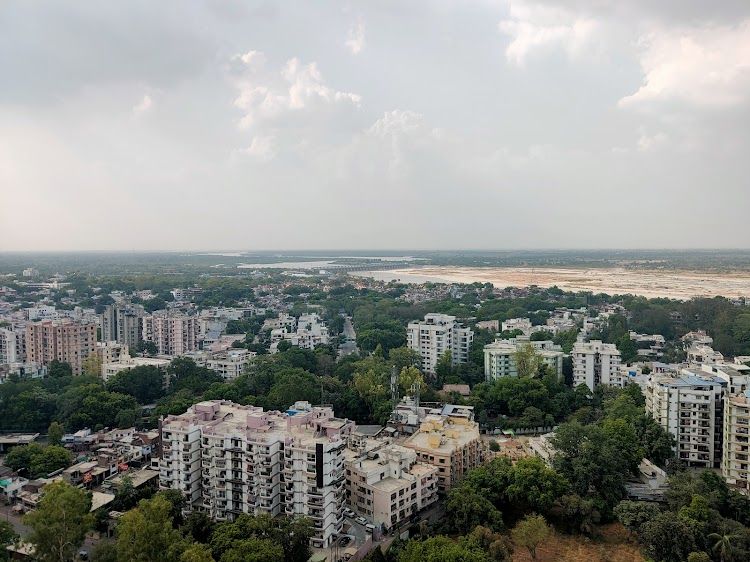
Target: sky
[251, 125]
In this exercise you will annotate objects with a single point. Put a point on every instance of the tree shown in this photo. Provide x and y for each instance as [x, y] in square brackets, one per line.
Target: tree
[8, 536]
[59, 369]
[530, 532]
[145, 383]
[402, 357]
[698, 557]
[442, 549]
[92, 365]
[534, 485]
[177, 503]
[197, 552]
[633, 514]
[466, 508]
[55, 433]
[667, 538]
[38, 460]
[60, 522]
[146, 534]
[409, 377]
[528, 361]
[254, 550]
[722, 545]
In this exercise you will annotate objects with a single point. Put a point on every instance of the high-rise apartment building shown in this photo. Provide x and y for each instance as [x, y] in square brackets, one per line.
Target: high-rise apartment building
[123, 324]
[172, 333]
[435, 335]
[596, 363]
[690, 407]
[735, 462]
[12, 346]
[62, 340]
[229, 459]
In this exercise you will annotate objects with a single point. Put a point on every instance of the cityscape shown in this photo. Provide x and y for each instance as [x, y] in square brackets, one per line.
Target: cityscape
[339, 281]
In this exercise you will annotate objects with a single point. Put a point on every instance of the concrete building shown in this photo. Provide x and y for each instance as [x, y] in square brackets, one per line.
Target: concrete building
[123, 324]
[307, 332]
[12, 346]
[385, 483]
[596, 363]
[500, 356]
[435, 335]
[690, 407]
[125, 362]
[449, 442]
[735, 462]
[522, 324]
[230, 364]
[172, 333]
[61, 340]
[229, 459]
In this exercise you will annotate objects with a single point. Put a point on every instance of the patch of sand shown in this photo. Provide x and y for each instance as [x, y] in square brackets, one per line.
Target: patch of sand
[681, 285]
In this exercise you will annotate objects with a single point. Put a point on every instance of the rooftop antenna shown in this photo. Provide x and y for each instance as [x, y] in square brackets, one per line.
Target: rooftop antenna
[415, 395]
[394, 384]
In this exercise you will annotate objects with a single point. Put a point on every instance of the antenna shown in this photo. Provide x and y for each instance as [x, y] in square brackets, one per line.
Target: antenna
[415, 395]
[394, 385]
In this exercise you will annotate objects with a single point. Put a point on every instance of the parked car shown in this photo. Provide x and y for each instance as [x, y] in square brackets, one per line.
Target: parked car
[361, 520]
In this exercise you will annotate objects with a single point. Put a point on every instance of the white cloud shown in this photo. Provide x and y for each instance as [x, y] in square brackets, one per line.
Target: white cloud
[536, 27]
[356, 38]
[264, 96]
[707, 66]
[252, 59]
[262, 147]
[143, 106]
[647, 143]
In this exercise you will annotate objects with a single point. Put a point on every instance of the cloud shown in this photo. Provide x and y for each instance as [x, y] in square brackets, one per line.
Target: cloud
[705, 66]
[263, 148]
[538, 27]
[143, 106]
[356, 38]
[647, 143]
[268, 96]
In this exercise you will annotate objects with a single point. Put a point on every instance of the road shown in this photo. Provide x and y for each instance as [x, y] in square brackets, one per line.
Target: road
[349, 345]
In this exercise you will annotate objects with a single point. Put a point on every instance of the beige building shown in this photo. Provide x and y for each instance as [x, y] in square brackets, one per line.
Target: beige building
[229, 459]
[500, 357]
[172, 333]
[735, 464]
[449, 442]
[386, 484]
[62, 340]
[596, 363]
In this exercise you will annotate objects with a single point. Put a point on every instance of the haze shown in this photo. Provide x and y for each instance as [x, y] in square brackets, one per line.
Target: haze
[421, 124]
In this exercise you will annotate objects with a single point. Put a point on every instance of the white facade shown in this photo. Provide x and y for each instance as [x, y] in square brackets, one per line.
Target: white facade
[229, 459]
[230, 364]
[523, 324]
[690, 407]
[735, 463]
[435, 335]
[500, 357]
[596, 363]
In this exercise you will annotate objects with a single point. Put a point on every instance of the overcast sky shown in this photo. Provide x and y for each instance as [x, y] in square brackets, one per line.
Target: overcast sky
[174, 124]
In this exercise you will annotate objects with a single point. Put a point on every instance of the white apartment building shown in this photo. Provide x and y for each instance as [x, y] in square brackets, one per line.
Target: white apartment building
[172, 333]
[230, 364]
[735, 462]
[307, 332]
[229, 459]
[523, 324]
[596, 363]
[11, 346]
[385, 483]
[123, 324]
[435, 335]
[690, 407]
[500, 356]
[124, 362]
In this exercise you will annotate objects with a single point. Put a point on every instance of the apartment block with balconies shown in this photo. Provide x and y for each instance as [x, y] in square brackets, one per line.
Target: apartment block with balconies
[437, 334]
[386, 484]
[735, 463]
[690, 407]
[62, 340]
[596, 363]
[251, 461]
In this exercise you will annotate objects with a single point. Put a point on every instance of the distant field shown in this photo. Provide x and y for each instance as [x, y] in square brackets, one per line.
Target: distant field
[680, 284]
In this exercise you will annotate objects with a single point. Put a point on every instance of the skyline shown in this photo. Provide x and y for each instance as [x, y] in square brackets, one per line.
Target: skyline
[489, 125]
